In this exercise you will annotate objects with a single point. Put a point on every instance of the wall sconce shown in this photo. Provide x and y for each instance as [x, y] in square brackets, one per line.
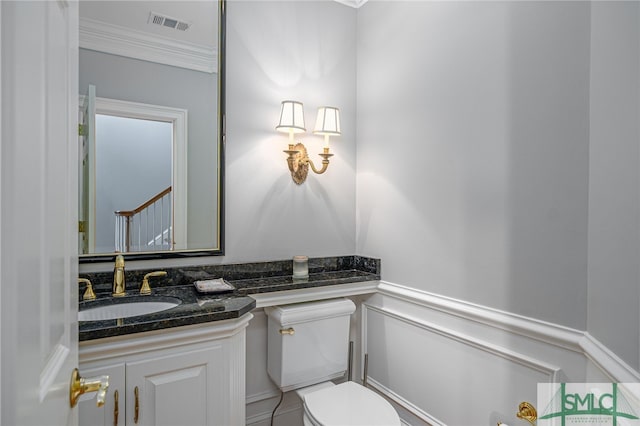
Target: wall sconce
[292, 122]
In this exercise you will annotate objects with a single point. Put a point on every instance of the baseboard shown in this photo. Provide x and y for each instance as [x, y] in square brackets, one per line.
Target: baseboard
[264, 418]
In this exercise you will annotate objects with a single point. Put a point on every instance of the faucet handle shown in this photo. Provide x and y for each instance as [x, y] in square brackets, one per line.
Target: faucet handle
[145, 288]
[88, 293]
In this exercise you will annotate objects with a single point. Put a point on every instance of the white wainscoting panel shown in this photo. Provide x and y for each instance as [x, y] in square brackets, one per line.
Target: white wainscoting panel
[451, 362]
[446, 377]
[440, 360]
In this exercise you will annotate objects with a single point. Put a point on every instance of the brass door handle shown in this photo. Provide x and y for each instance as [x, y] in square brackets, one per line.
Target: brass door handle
[80, 385]
[136, 406]
[116, 411]
[290, 331]
[527, 412]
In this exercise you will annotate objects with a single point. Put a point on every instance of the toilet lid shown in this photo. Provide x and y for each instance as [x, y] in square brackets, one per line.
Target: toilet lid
[349, 404]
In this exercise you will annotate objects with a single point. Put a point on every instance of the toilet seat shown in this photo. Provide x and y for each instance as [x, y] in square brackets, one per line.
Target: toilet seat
[349, 404]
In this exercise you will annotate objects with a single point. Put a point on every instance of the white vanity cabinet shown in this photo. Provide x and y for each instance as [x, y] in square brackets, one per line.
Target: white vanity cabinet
[191, 375]
[112, 413]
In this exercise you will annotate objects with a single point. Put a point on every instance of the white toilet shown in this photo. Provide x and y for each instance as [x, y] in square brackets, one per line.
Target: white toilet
[307, 347]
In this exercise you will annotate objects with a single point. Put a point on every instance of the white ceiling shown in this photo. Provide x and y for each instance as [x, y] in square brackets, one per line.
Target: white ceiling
[134, 15]
[124, 27]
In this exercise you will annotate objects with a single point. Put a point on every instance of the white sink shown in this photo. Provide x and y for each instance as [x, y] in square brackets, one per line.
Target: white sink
[126, 309]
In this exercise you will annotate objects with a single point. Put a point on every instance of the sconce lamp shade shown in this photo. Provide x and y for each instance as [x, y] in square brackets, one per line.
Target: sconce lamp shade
[328, 121]
[291, 118]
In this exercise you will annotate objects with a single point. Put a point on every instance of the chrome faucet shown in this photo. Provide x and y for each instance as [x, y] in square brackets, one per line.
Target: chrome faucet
[118, 277]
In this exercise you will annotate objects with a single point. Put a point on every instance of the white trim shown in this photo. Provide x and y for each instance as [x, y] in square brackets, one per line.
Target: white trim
[553, 334]
[265, 416]
[610, 364]
[575, 341]
[547, 332]
[397, 399]
[261, 396]
[2, 143]
[179, 118]
[113, 347]
[117, 40]
[552, 371]
[352, 3]
[314, 293]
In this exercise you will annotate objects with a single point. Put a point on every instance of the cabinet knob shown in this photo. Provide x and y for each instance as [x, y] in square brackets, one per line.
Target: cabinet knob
[80, 385]
[290, 331]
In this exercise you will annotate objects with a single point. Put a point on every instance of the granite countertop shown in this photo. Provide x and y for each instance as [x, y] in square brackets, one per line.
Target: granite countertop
[281, 283]
[196, 308]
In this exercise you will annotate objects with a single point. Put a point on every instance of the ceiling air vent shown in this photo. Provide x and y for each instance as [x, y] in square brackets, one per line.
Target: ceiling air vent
[166, 21]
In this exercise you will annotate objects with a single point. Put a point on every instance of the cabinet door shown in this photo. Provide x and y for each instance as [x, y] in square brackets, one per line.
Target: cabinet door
[112, 413]
[182, 389]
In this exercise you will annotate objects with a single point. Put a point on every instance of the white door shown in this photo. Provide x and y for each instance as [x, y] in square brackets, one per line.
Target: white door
[113, 411]
[38, 210]
[87, 178]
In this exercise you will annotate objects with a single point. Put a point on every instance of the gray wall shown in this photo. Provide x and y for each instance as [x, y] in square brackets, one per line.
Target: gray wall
[133, 163]
[614, 179]
[473, 130]
[117, 77]
[276, 51]
[500, 153]
[491, 165]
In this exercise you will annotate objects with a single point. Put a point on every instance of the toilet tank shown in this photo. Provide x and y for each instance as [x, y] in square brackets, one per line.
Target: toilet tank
[308, 343]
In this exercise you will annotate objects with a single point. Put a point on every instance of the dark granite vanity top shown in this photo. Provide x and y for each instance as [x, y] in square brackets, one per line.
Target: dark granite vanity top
[247, 278]
[194, 309]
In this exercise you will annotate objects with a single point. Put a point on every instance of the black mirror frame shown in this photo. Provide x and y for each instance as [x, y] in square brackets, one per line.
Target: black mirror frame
[221, 140]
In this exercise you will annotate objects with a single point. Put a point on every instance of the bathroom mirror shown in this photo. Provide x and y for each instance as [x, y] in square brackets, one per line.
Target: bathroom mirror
[151, 140]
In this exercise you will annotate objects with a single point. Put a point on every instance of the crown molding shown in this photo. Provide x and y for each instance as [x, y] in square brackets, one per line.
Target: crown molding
[353, 3]
[117, 40]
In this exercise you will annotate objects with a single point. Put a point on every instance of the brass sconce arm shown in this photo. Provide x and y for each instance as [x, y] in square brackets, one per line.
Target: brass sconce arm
[294, 159]
[298, 161]
[325, 162]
